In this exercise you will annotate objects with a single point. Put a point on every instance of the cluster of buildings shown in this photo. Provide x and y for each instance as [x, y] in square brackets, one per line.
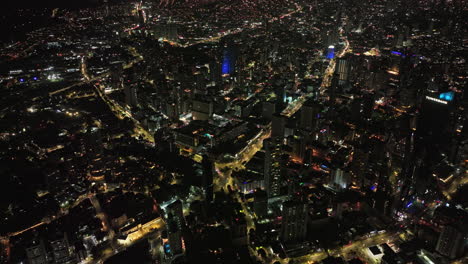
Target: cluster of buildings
[238, 132]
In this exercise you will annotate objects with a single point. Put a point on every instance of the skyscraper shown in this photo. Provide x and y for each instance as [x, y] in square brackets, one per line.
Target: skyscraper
[215, 72]
[207, 180]
[202, 109]
[340, 178]
[343, 69]
[131, 98]
[434, 119]
[61, 250]
[294, 222]
[227, 66]
[176, 211]
[331, 52]
[239, 231]
[451, 242]
[272, 170]
[278, 124]
[268, 109]
[37, 254]
[175, 238]
[260, 203]
[166, 31]
[309, 115]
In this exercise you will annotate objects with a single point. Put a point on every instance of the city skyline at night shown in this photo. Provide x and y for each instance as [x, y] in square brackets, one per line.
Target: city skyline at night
[234, 131]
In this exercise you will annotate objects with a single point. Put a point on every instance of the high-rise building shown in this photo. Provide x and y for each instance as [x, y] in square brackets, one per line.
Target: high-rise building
[309, 116]
[434, 120]
[172, 111]
[141, 16]
[37, 254]
[399, 40]
[299, 144]
[340, 179]
[166, 31]
[278, 124]
[294, 189]
[260, 203]
[279, 88]
[451, 242]
[215, 72]
[239, 231]
[175, 238]
[176, 211]
[294, 222]
[331, 37]
[331, 52]
[207, 180]
[361, 108]
[61, 250]
[106, 7]
[268, 109]
[228, 63]
[131, 98]
[272, 169]
[202, 109]
[116, 76]
[343, 68]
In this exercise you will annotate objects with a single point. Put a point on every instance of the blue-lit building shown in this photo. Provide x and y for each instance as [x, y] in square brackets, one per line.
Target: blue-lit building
[227, 66]
[397, 53]
[331, 52]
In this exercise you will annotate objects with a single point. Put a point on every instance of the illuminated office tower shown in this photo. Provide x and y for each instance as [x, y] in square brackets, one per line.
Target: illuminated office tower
[340, 179]
[343, 68]
[272, 170]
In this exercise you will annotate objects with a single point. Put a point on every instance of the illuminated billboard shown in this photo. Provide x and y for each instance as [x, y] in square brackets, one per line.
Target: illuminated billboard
[436, 100]
[448, 96]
